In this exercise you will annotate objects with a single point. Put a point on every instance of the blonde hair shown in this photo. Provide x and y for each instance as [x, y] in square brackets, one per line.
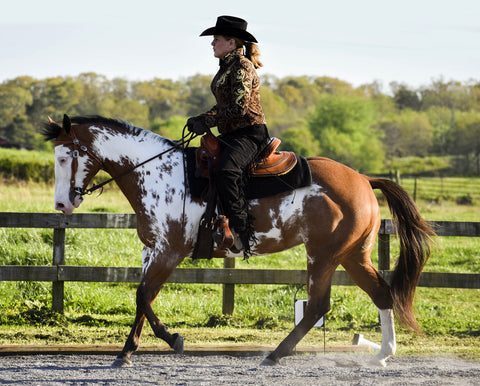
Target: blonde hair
[252, 52]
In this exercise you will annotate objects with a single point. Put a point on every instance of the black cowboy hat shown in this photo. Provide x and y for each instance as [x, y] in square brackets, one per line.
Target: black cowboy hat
[230, 26]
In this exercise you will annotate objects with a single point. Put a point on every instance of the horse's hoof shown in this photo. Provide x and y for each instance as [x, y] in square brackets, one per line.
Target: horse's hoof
[378, 360]
[177, 343]
[268, 362]
[121, 362]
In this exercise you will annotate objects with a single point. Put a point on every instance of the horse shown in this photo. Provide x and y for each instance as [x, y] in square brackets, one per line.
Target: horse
[336, 217]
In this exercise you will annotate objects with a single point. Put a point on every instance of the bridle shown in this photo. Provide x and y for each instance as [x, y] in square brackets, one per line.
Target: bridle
[79, 147]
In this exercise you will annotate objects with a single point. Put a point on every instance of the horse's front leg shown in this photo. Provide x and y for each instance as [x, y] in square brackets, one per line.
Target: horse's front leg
[133, 340]
[157, 269]
[175, 341]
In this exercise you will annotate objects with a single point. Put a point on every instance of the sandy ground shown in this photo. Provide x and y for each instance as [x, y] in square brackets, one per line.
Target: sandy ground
[334, 369]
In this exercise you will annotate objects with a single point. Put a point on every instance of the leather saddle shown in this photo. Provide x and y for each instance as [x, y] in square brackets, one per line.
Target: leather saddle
[270, 162]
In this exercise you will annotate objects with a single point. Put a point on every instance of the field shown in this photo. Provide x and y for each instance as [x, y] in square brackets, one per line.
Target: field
[103, 312]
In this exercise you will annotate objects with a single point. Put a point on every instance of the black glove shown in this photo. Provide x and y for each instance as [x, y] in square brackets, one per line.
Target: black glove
[197, 125]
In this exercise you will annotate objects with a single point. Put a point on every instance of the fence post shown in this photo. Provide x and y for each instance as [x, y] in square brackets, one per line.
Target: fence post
[228, 289]
[415, 190]
[58, 259]
[383, 250]
[397, 176]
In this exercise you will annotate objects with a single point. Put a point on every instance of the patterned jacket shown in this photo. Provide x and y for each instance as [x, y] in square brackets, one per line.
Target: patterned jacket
[236, 88]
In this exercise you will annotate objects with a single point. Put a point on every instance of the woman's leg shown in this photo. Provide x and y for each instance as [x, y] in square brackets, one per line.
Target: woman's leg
[239, 151]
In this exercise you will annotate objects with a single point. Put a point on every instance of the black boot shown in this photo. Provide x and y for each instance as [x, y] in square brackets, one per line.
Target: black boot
[243, 233]
[237, 242]
[242, 242]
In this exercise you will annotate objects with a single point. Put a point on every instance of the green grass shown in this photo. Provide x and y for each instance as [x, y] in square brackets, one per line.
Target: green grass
[103, 312]
[25, 155]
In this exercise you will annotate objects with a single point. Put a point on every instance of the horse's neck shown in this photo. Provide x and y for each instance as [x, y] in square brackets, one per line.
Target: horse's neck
[121, 152]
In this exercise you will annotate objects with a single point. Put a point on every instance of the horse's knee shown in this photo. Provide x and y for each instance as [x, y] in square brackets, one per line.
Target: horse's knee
[145, 295]
[318, 308]
[319, 298]
[140, 299]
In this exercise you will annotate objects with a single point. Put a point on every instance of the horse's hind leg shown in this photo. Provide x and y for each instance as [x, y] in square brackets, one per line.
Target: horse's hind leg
[388, 347]
[366, 276]
[318, 304]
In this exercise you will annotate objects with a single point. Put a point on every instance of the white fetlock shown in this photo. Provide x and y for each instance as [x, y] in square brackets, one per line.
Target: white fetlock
[379, 360]
[389, 345]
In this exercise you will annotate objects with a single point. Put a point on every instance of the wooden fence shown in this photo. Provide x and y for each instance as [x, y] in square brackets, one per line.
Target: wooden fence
[58, 272]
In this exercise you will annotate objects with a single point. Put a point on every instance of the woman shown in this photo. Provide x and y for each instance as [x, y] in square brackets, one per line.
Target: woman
[238, 117]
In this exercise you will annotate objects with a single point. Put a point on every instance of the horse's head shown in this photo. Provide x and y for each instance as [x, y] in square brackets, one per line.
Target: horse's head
[75, 165]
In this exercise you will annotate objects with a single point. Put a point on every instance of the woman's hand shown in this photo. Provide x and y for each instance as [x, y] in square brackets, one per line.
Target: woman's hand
[197, 125]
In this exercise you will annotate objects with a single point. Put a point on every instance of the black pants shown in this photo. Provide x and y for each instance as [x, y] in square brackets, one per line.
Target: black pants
[240, 148]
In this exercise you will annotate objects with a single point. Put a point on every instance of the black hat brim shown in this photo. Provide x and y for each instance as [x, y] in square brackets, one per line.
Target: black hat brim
[232, 32]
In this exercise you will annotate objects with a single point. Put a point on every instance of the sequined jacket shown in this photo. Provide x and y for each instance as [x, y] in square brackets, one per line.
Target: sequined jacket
[236, 88]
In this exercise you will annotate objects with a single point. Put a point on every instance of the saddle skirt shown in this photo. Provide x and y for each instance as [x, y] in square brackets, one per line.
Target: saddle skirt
[270, 163]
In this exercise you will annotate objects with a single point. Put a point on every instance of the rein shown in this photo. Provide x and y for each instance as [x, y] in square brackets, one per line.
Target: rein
[77, 147]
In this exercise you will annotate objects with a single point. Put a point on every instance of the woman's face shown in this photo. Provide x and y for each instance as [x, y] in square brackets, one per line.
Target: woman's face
[222, 46]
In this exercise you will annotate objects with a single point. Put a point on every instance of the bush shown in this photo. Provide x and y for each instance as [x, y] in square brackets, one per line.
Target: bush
[466, 199]
[30, 166]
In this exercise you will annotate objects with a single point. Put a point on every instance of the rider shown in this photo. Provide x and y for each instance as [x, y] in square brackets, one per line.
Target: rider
[238, 117]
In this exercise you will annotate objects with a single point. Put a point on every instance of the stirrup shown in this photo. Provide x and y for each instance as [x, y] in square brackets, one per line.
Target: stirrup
[237, 246]
[223, 237]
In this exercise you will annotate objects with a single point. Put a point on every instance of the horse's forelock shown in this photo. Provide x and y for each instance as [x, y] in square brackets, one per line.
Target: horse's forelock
[50, 131]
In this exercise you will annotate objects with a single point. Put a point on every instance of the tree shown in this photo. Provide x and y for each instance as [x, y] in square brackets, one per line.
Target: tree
[14, 101]
[441, 120]
[342, 125]
[275, 111]
[171, 128]
[94, 89]
[450, 94]
[405, 98]
[20, 132]
[301, 141]
[334, 86]
[464, 141]
[408, 134]
[198, 97]
[162, 96]
[128, 109]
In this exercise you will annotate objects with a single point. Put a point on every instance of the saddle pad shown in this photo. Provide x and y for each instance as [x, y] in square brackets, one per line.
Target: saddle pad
[257, 187]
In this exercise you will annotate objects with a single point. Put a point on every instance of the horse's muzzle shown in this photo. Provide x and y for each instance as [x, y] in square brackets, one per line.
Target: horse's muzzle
[75, 196]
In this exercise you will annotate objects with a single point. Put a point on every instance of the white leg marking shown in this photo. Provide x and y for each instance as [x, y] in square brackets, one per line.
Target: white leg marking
[389, 345]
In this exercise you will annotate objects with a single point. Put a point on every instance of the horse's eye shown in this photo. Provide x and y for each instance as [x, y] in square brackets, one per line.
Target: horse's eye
[62, 160]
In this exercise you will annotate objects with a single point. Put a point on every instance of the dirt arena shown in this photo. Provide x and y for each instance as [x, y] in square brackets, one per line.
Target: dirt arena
[334, 369]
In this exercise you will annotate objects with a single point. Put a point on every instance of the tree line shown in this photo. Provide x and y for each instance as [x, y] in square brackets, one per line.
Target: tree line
[436, 126]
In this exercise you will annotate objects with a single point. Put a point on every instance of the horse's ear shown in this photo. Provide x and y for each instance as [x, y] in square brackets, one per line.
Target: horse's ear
[67, 124]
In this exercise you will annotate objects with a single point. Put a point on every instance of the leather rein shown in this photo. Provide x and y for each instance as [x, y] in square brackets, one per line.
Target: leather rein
[78, 147]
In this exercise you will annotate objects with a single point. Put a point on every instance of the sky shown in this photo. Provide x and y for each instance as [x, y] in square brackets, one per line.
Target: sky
[413, 42]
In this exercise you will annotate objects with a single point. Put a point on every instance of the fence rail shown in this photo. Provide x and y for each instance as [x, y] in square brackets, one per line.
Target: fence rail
[58, 272]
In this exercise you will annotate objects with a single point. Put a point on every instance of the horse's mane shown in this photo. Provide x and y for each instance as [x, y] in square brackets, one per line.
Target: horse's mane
[97, 119]
[51, 130]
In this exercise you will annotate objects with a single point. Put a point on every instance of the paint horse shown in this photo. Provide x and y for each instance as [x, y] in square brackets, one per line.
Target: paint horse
[337, 218]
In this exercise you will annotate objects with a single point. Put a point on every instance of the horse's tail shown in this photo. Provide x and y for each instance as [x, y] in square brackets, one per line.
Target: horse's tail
[415, 240]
